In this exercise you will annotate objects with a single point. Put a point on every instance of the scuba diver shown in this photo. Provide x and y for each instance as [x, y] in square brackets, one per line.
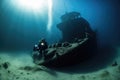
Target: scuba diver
[42, 47]
[35, 48]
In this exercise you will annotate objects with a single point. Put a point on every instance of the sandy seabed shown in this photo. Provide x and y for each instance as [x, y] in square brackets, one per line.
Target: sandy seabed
[21, 67]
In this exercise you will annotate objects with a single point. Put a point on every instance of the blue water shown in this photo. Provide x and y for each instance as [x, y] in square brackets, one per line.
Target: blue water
[21, 29]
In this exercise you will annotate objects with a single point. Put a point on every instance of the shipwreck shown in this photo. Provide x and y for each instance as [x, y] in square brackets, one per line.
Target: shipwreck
[78, 43]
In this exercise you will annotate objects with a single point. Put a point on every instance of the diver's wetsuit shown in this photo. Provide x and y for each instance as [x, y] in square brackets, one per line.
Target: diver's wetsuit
[42, 46]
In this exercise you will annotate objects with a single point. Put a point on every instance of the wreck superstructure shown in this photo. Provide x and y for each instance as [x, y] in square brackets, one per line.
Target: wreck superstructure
[74, 26]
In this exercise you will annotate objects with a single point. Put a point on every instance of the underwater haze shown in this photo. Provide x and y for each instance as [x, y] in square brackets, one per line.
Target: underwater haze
[21, 28]
[24, 22]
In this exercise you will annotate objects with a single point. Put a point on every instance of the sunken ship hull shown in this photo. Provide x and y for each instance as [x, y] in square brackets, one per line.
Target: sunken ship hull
[77, 45]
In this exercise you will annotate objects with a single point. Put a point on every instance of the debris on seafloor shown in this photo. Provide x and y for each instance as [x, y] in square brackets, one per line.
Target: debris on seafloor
[32, 68]
[83, 77]
[27, 68]
[105, 74]
[118, 69]
[5, 65]
[9, 71]
[115, 63]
